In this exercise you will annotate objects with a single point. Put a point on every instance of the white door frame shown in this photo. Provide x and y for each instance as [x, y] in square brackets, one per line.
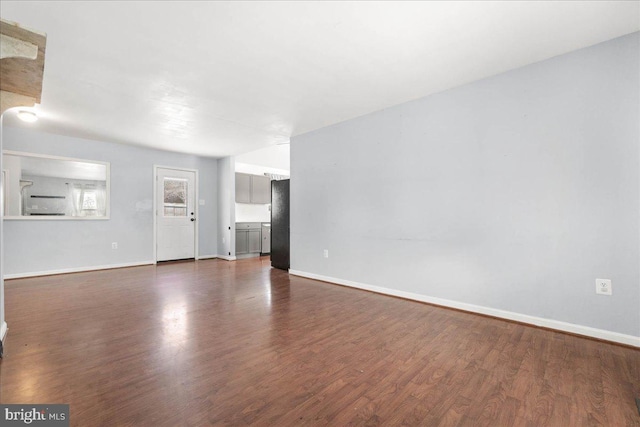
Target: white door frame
[155, 208]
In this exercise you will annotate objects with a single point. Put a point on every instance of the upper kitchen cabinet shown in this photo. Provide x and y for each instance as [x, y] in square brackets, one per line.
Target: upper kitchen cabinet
[254, 189]
[260, 190]
[243, 188]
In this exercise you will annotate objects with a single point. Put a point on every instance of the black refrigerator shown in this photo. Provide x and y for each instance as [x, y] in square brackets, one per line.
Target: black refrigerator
[280, 224]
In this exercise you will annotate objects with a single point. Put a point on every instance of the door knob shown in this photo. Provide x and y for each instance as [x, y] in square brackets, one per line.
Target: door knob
[193, 219]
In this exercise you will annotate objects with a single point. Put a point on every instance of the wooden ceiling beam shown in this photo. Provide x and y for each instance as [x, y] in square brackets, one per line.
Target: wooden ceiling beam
[15, 48]
[22, 53]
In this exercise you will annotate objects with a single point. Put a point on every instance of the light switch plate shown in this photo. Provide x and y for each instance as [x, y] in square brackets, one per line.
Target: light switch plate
[201, 202]
[603, 286]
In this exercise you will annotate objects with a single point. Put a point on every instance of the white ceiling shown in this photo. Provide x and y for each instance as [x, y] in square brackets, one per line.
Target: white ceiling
[275, 156]
[226, 78]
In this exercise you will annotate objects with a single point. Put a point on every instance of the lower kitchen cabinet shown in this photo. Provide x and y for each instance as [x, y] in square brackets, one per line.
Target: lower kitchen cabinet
[242, 242]
[248, 238]
[266, 238]
[255, 242]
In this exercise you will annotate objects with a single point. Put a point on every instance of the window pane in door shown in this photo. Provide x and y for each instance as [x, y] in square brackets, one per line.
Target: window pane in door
[175, 191]
[175, 197]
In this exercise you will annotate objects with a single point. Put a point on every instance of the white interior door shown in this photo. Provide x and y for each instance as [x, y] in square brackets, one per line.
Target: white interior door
[175, 214]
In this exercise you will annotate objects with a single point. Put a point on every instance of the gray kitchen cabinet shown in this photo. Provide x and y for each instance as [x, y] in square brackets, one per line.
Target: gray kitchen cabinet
[242, 242]
[253, 189]
[266, 238]
[260, 190]
[248, 238]
[243, 188]
[255, 242]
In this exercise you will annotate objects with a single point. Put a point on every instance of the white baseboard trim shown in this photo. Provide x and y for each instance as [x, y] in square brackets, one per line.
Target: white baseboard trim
[228, 258]
[509, 315]
[207, 257]
[3, 330]
[76, 270]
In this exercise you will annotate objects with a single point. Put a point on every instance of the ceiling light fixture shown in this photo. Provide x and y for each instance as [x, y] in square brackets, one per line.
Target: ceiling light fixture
[27, 116]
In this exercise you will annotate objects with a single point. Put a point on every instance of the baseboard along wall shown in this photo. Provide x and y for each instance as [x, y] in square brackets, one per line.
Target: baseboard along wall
[571, 328]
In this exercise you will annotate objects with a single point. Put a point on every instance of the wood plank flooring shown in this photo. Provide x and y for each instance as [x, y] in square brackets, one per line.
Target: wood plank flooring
[238, 343]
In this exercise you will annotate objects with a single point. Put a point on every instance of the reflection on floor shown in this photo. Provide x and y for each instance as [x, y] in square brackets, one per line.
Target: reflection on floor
[234, 343]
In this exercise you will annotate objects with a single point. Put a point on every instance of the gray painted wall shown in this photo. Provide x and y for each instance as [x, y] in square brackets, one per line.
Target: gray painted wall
[226, 207]
[515, 192]
[34, 246]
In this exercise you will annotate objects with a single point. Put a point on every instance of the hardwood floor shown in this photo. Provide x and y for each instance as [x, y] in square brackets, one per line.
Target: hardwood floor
[236, 343]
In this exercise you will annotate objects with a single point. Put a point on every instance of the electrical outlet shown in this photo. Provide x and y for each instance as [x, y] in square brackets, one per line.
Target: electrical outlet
[326, 253]
[114, 245]
[201, 201]
[603, 287]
